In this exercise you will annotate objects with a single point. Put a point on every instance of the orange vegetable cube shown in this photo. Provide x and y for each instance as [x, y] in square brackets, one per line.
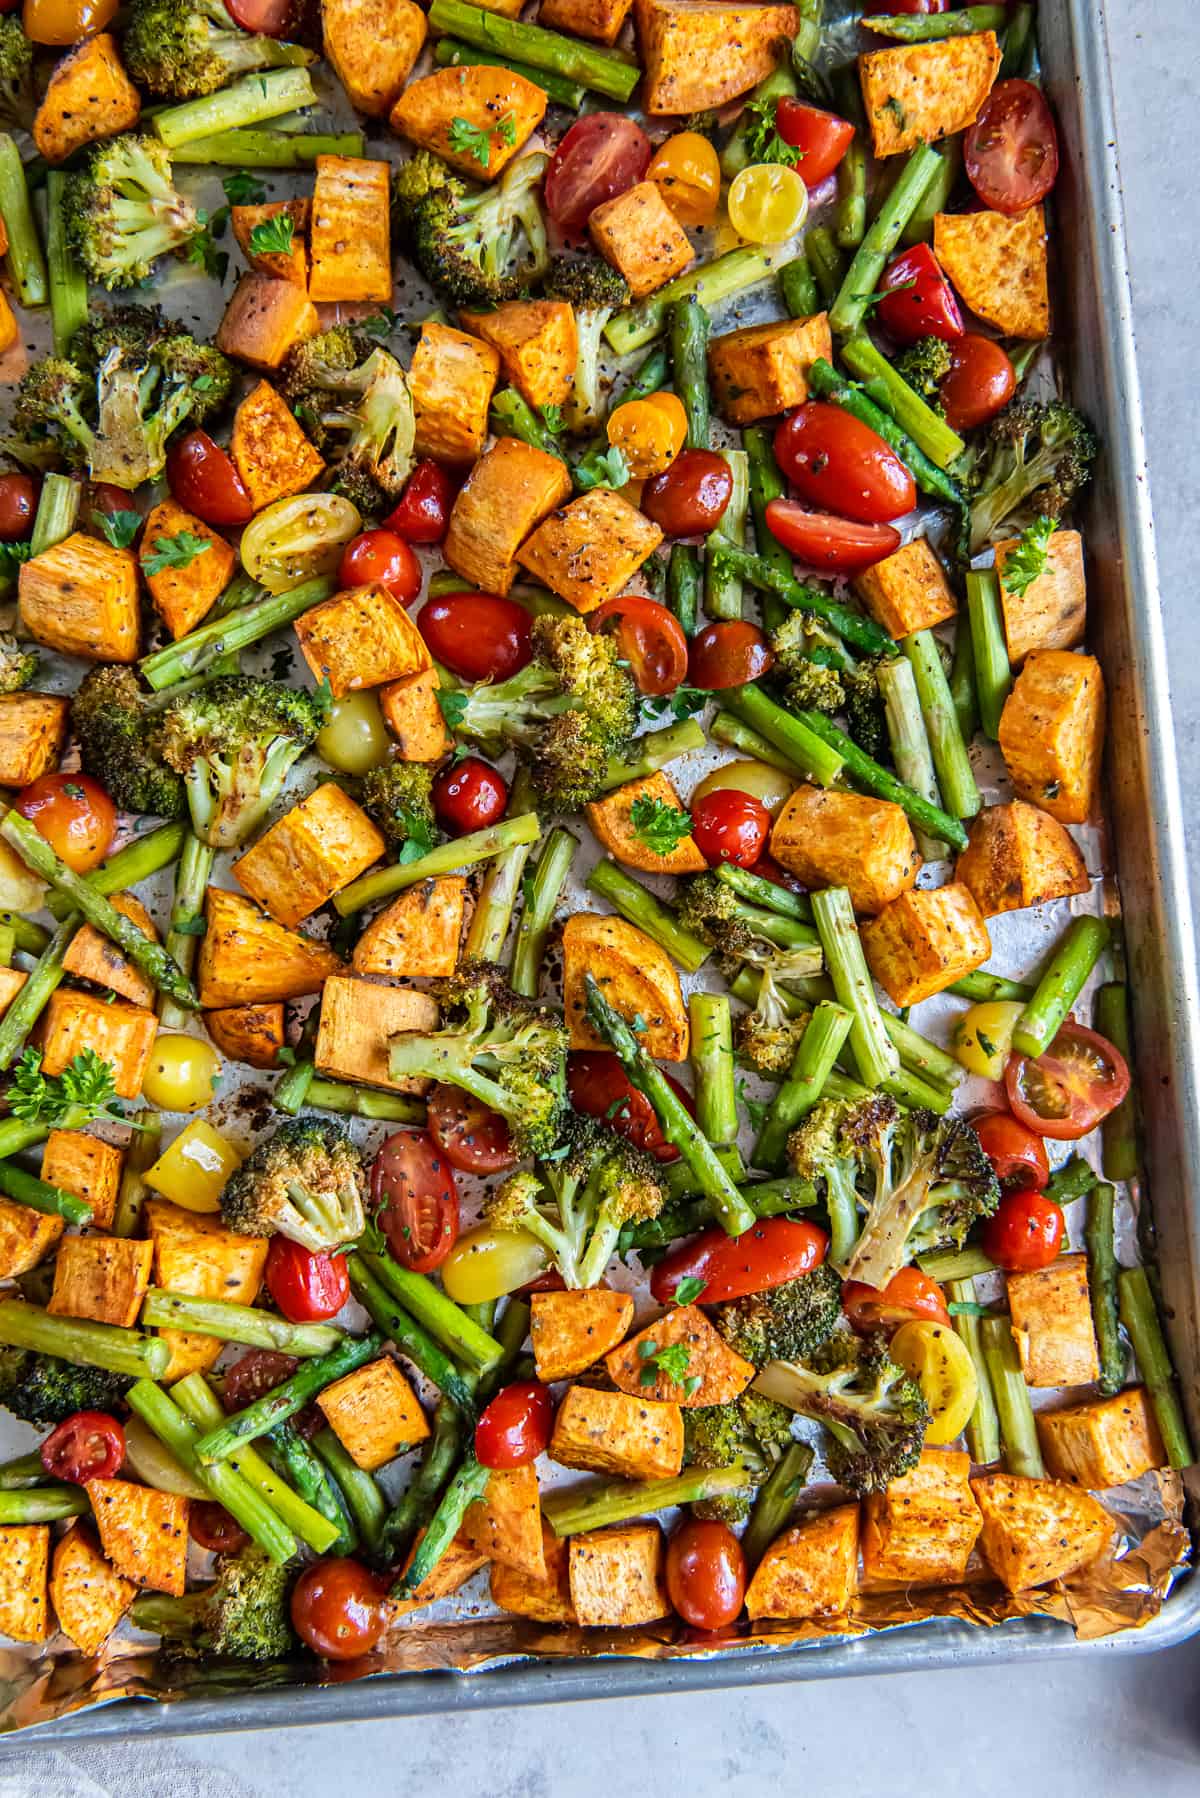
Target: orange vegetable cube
[101, 1277]
[361, 637]
[350, 243]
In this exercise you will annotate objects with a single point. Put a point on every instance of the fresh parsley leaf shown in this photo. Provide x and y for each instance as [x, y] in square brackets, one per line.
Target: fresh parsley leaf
[763, 142]
[85, 1087]
[1028, 559]
[204, 254]
[869, 301]
[274, 236]
[243, 190]
[670, 1363]
[553, 419]
[601, 468]
[119, 528]
[453, 705]
[11, 557]
[689, 1289]
[179, 551]
[968, 1308]
[380, 324]
[476, 140]
[658, 825]
[684, 702]
[985, 1042]
[756, 1111]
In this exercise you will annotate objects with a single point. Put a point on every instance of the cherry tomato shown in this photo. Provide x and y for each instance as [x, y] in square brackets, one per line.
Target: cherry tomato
[979, 383]
[838, 545]
[821, 137]
[412, 1187]
[210, 1526]
[728, 826]
[770, 785]
[1025, 1232]
[1010, 153]
[88, 1445]
[689, 498]
[468, 796]
[908, 1294]
[18, 503]
[1070, 1088]
[728, 654]
[515, 1428]
[649, 638]
[204, 481]
[839, 464]
[687, 172]
[1017, 1153]
[477, 635]
[381, 558]
[767, 868]
[472, 1138]
[252, 1374]
[649, 433]
[306, 1287]
[767, 202]
[74, 814]
[706, 1573]
[919, 301]
[65, 21]
[602, 155]
[274, 18]
[598, 1087]
[423, 513]
[338, 1609]
[772, 1252]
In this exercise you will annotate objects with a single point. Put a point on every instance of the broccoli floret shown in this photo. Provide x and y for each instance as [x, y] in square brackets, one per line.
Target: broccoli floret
[1032, 463]
[807, 668]
[768, 1036]
[305, 1181]
[741, 932]
[181, 48]
[234, 742]
[751, 1431]
[505, 1051]
[785, 1323]
[122, 210]
[43, 1390]
[120, 736]
[352, 399]
[244, 1613]
[18, 664]
[925, 365]
[826, 1148]
[477, 246]
[596, 291]
[398, 796]
[875, 1413]
[866, 714]
[18, 102]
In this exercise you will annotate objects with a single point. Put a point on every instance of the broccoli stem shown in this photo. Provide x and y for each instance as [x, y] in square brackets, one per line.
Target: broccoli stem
[1018, 42]
[712, 1066]
[315, 1484]
[935, 199]
[608, 72]
[164, 1310]
[674, 1119]
[910, 744]
[51, 1201]
[850, 215]
[815, 760]
[367, 1505]
[915, 416]
[775, 86]
[283, 1401]
[651, 751]
[827, 263]
[640, 907]
[1083, 943]
[595, 1504]
[962, 682]
[187, 917]
[862, 277]
[542, 892]
[726, 728]
[47, 1504]
[762, 573]
[757, 890]
[416, 1504]
[713, 282]
[1119, 1129]
[1099, 1236]
[28, 937]
[869, 774]
[410, 1337]
[923, 29]
[26, 263]
[980, 986]
[513, 416]
[78, 1339]
[126, 869]
[248, 101]
[683, 585]
[993, 673]
[450, 52]
[230, 632]
[267, 149]
[798, 287]
[775, 1501]
[1140, 1317]
[23, 1470]
[689, 329]
[723, 590]
[875, 1055]
[825, 383]
[463, 852]
[468, 1485]
[812, 1064]
[57, 513]
[43, 979]
[1018, 1431]
[470, 1345]
[67, 280]
[983, 1427]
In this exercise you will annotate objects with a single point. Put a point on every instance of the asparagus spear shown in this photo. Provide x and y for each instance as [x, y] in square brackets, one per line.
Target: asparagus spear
[689, 329]
[993, 673]
[608, 72]
[468, 1485]
[798, 286]
[361, 1491]
[981, 986]
[811, 1067]
[315, 1484]
[863, 632]
[927, 428]
[410, 1337]
[1140, 1317]
[43, 979]
[962, 682]
[163, 1310]
[773, 87]
[725, 728]
[951, 761]
[449, 52]
[137, 861]
[1082, 945]
[827, 263]
[51, 1201]
[447, 1322]
[229, 632]
[142, 1153]
[775, 1501]
[652, 751]
[283, 1401]
[542, 892]
[26, 263]
[874, 1053]
[758, 890]
[1102, 1284]
[825, 383]
[462, 852]
[187, 916]
[983, 1429]
[635, 326]
[57, 513]
[816, 759]
[1119, 1129]
[924, 29]
[513, 416]
[877, 780]
[850, 218]
[45, 1504]
[300, 1087]
[639, 906]
[68, 285]
[683, 585]
[936, 197]
[911, 751]
[268, 149]
[1018, 1432]
[849, 308]
[596, 1504]
[1018, 42]
[723, 593]
[267, 94]
[78, 1339]
[417, 1503]
[712, 1064]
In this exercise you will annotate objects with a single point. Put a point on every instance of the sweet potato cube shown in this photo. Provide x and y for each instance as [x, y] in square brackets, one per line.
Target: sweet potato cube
[612, 1432]
[1052, 611]
[123, 1035]
[89, 96]
[698, 55]
[707, 1372]
[618, 1576]
[916, 93]
[24, 1559]
[452, 379]
[1051, 1314]
[1018, 856]
[588, 551]
[84, 1165]
[499, 110]
[907, 591]
[459, 1564]
[270, 452]
[246, 958]
[599, 20]
[1052, 733]
[809, 1571]
[357, 1019]
[921, 1529]
[89, 1597]
[283, 265]
[350, 246]
[264, 319]
[360, 638]
[635, 976]
[847, 840]
[411, 712]
[762, 370]
[143, 1533]
[309, 854]
[1104, 1442]
[93, 956]
[26, 1237]
[506, 1523]
[195, 1254]
[183, 596]
[373, 46]
[417, 934]
[374, 1413]
[251, 1033]
[641, 237]
[11, 982]
[1035, 1531]
[10, 330]
[548, 1599]
[998, 265]
[33, 732]
[506, 495]
[81, 598]
[101, 1277]
[611, 819]
[572, 1330]
[537, 343]
[924, 941]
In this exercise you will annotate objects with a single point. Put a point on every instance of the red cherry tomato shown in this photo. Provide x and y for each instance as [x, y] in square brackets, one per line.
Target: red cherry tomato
[477, 635]
[204, 481]
[821, 137]
[1017, 1153]
[839, 464]
[1025, 1232]
[413, 1190]
[979, 383]
[210, 1526]
[919, 301]
[515, 1428]
[728, 654]
[338, 1609]
[18, 503]
[306, 1287]
[649, 638]
[88, 1445]
[469, 795]
[602, 155]
[772, 1252]
[104, 500]
[767, 868]
[837, 545]
[1010, 153]
[706, 1573]
[381, 558]
[252, 1374]
[908, 1294]
[1070, 1088]
[423, 513]
[730, 826]
[689, 498]
[598, 1087]
[74, 814]
[274, 18]
[472, 1138]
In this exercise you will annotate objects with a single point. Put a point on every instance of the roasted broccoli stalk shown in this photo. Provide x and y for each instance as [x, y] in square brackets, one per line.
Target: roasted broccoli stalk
[767, 1036]
[244, 1613]
[596, 291]
[181, 48]
[925, 365]
[874, 1412]
[120, 742]
[305, 1181]
[44, 1390]
[234, 742]
[18, 101]
[750, 1431]
[352, 399]
[785, 1323]
[1033, 461]
[398, 796]
[18, 664]
[742, 932]
[122, 210]
[477, 246]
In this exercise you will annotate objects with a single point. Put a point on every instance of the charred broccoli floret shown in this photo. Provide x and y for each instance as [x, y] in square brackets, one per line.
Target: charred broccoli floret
[122, 210]
[767, 1036]
[806, 665]
[925, 365]
[1033, 461]
[352, 399]
[305, 1181]
[866, 716]
[750, 1431]
[234, 742]
[243, 1614]
[477, 246]
[120, 741]
[595, 290]
[874, 1412]
[742, 932]
[43, 1390]
[785, 1323]
[18, 102]
[398, 796]
[827, 1149]
[18, 664]
[180, 48]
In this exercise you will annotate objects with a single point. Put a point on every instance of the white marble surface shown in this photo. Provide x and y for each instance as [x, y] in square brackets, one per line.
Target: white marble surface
[1116, 1727]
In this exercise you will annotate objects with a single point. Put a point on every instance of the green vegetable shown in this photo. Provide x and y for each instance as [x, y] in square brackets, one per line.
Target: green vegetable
[1018, 1432]
[1081, 946]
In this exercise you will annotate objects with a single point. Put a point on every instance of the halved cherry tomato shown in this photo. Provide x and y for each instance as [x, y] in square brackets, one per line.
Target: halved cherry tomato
[1025, 1232]
[381, 558]
[649, 638]
[687, 172]
[416, 1200]
[821, 137]
[515, 1428]
[338, 1609]
[767, 202]
[252, 1374]
[598, 1087]
[602, 155]
[728, 826]
[202, 478]
[838, 545]
[728, 654]
[210, 1526]
[1010, 153]
[423, 513]
[307, 1287]
[839, 464]
[18, 503]
[1070, 1088]
[472, 1138]
[274, 18]
[689, 498]
[919, 301]
[706, 1573]
[65, 21]
[767, 868]
[1017, 1153]
[469, 795]
[88, 1445]
[772, 1252]
[979, 383]
[479, 636]
[908, 1294]
[74, 814]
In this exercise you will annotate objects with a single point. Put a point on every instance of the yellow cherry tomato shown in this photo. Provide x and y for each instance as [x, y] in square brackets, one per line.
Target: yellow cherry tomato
[65, 21]
[941, 1363]
[688, 175]
[767, 203]
[182, 1073]
[484, 1264]
[192, 1172]
[355, 737]
[770, 785]
[649, 433]
[983, 1037]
